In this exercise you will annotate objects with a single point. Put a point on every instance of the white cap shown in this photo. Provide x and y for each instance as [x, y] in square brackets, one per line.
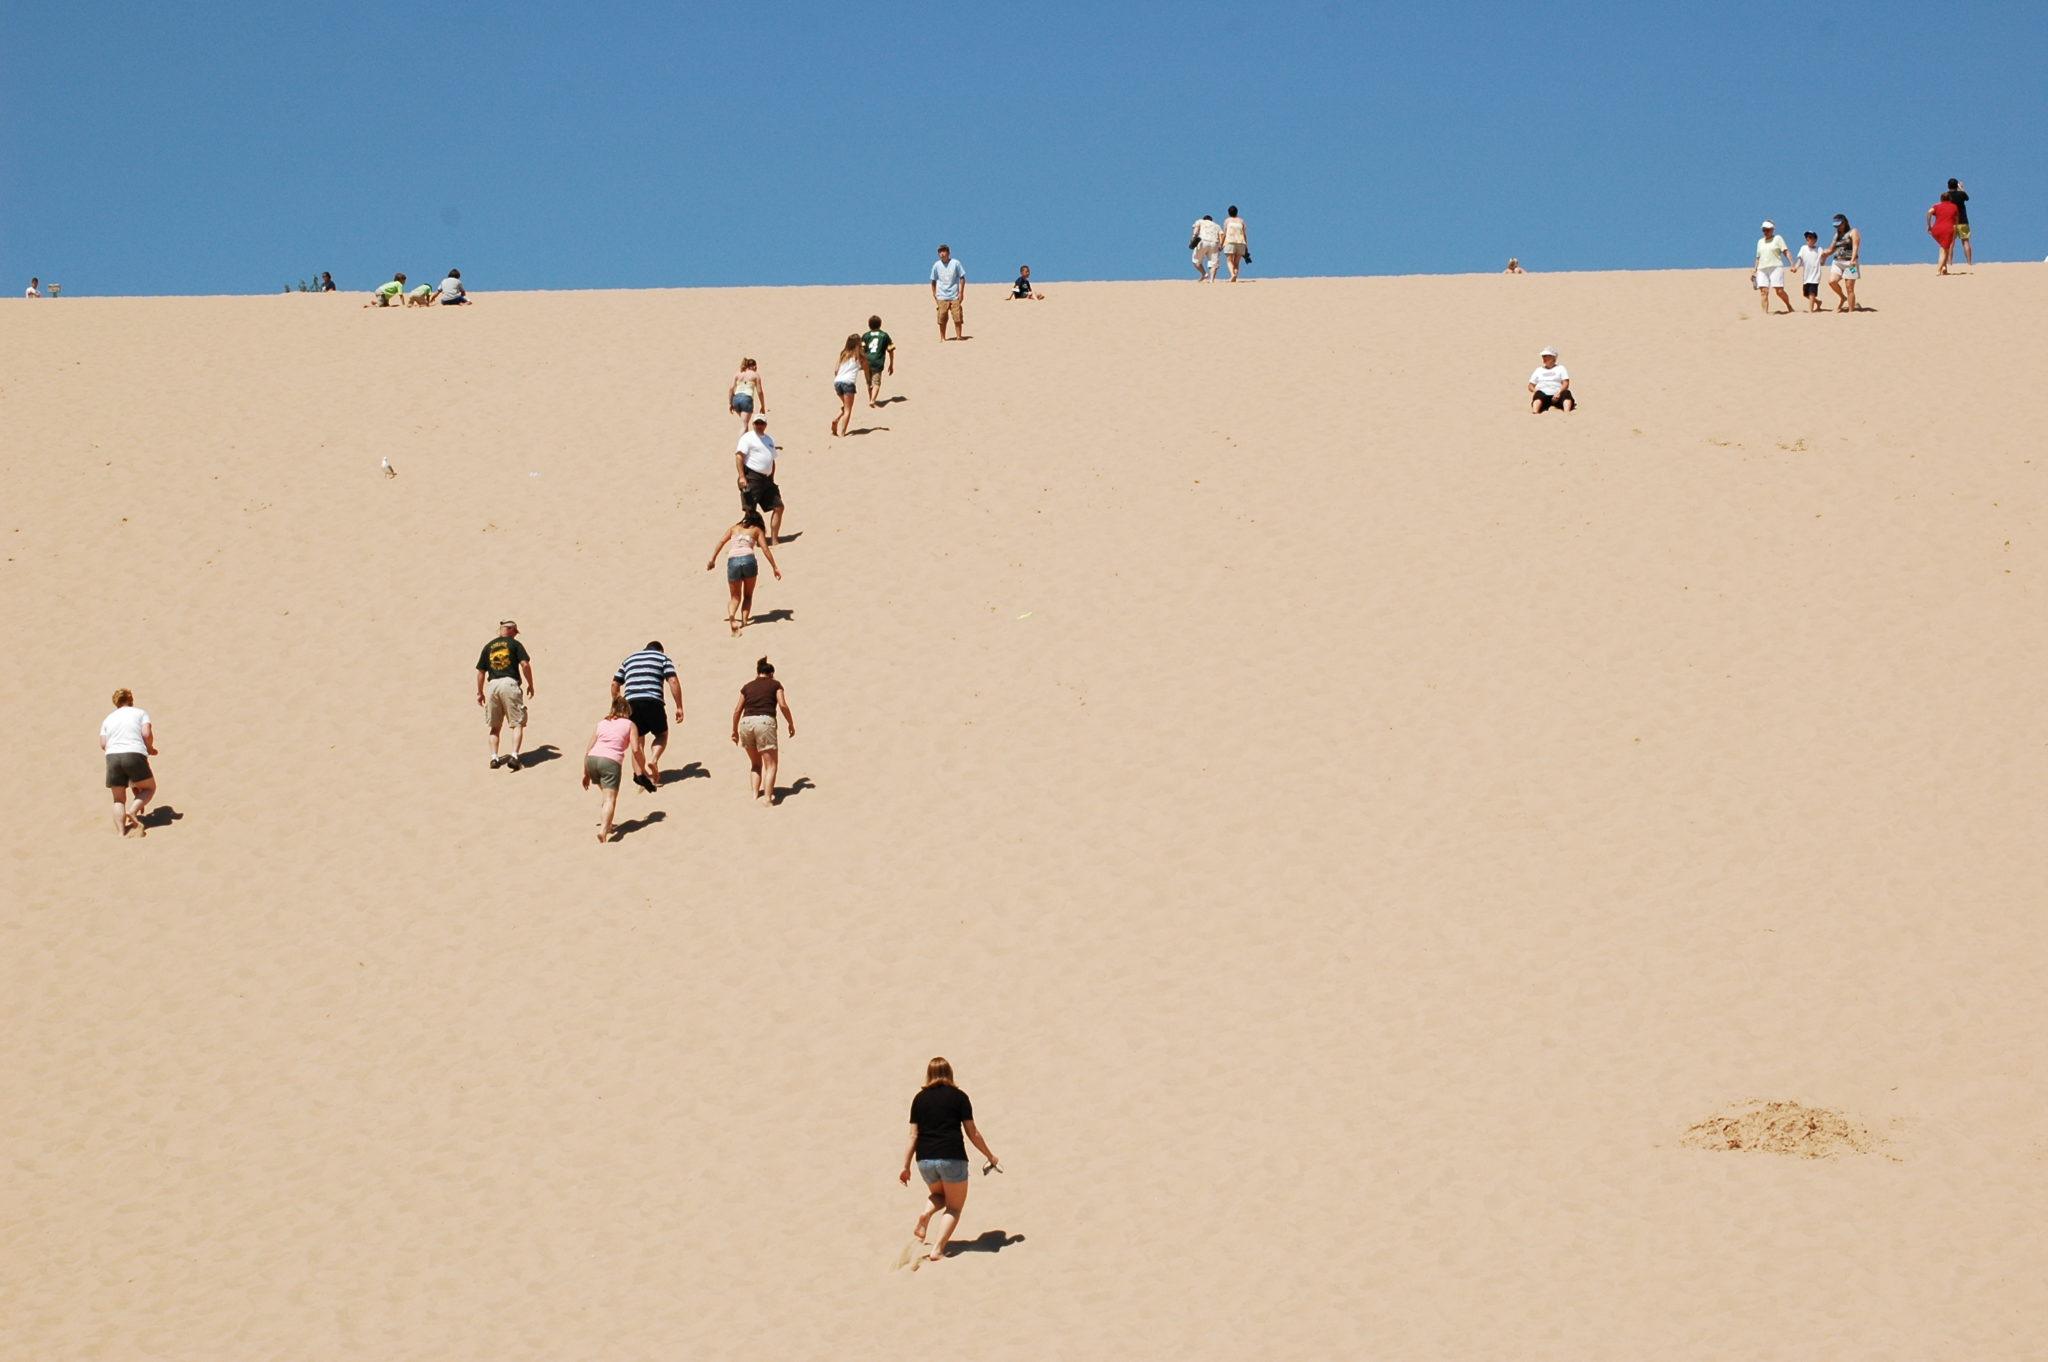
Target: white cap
[1770, 226]
[1546, 350]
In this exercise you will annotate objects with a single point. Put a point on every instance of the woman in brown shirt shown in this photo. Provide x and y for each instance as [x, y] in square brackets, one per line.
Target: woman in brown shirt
[753, 726]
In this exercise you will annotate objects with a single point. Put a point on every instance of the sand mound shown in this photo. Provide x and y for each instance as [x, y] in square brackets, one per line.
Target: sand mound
[1782, 1128]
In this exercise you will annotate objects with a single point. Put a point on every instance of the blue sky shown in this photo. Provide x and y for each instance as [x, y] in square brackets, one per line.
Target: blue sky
[232, 146]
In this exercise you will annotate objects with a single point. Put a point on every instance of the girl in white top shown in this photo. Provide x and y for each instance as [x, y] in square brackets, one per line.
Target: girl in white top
[747, 395]
[850, 379]
[740, 542]
[129, 741]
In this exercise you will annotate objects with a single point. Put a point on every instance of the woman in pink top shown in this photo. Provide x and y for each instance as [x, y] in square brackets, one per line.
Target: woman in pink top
[616, 736]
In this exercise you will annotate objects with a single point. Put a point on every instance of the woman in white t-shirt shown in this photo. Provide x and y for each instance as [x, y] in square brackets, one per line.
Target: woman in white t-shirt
[1550, 386]
[850, 378]
[129, 741]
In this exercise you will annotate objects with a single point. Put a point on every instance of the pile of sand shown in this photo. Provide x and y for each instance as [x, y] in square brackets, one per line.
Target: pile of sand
[1782, 1128]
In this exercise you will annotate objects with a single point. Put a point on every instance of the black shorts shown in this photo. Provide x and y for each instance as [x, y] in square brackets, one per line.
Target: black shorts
[127, 768]
[1545, 401]
[650, 716]
[762, 494]
[1811, 290]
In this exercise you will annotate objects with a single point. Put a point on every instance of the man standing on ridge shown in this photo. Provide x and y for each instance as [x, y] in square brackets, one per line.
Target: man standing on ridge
[1772, 256]
[949, 292]
[1960, 197]
[1205, 239]
[499, 669]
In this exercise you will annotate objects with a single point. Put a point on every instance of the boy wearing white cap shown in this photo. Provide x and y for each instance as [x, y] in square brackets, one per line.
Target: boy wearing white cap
[1772, 256]
[1550, 386]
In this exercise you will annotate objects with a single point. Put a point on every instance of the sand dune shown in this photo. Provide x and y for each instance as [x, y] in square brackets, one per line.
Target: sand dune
[1343, 829]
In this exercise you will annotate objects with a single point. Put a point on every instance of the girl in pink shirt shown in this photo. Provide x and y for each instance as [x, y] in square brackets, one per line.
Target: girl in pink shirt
[616, 735]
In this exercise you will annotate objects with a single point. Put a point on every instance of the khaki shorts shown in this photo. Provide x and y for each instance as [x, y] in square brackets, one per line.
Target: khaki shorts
[757, 733]
[503, 700]
[950, 307]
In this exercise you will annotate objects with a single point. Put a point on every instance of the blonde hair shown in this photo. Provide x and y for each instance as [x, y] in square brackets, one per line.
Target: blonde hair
[746, 363]
[851, 347]
[123, 698]
[938, 1071]
[622, 708]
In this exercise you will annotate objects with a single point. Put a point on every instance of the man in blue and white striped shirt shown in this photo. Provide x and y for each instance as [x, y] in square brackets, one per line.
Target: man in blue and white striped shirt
[641, 678]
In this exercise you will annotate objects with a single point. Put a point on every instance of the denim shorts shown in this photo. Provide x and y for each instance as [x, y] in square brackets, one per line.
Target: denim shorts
[942, 1170]
[743, 402]
[844, 389]
[741, 569]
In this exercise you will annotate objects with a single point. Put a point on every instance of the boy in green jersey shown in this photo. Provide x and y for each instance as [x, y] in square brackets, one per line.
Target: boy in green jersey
[878, 347]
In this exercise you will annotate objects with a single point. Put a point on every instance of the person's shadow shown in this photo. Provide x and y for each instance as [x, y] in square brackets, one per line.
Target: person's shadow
[988, 1241]
[784, 793]
[771, 617]
[890, 400]
[866, 430]
[619, 830]
[694, 771]
[534, 756]
[162, 816]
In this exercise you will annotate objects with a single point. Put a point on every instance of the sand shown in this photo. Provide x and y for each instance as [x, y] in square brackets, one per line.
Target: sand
[1343, 829]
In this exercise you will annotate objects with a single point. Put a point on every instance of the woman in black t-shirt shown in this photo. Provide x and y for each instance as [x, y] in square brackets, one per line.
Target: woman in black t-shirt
[939, 1115]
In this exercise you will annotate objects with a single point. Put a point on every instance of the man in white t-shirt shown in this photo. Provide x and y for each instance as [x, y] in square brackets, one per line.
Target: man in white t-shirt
[1809, 271]
[754, 461]
[1550, 386]
[34, 290]
[1205, 239]
[1772, 255]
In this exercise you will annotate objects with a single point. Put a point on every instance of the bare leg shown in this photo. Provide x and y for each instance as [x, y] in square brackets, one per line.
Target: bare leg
[747, 601]
[775, 525]
[732, 606]
[754, 773]
[949, 1216]
[1969, 252]
[120, 793]
[518, 738]
[144, 790]
[611, 807]
[494, 742]
[768, 760]
[937, 1204]
[653, 761]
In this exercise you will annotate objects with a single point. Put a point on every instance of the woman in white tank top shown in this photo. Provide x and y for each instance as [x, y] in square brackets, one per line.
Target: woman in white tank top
[850, 378]
[740, 542]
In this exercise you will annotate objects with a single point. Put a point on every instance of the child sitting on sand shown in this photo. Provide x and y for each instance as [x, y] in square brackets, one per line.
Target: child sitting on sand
[1023, 287]
[387, 294]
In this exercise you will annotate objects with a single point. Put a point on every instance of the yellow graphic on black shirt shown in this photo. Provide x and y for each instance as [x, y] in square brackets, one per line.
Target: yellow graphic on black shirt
[500, 657]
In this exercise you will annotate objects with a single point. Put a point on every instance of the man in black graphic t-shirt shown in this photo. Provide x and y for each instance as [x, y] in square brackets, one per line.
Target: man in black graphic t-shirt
[500, 667]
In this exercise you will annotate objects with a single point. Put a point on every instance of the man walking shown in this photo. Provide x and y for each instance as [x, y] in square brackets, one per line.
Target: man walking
[949, 292]
[1205, 239]
[499, 670]
[641, 679]
[1772, 256]
[1958, 196]
[754, 462]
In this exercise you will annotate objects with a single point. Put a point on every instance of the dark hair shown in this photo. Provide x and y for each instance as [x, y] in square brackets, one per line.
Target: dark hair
[1952, 184]
[398, 278]
[874, 323]
[1814, 235]
[752, 520]
[653, 645]
[764, 668]
[1022, 268]
[944, 247]
[454, 274]
[1233, 210]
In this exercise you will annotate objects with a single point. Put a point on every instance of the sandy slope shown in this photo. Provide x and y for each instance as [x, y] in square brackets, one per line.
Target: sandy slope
[1343, 829]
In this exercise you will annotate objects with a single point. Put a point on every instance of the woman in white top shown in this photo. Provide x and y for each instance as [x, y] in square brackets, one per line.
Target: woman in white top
[740, 542]
[129, 741]
[747, 394]
[1237, 245]
[851, 377]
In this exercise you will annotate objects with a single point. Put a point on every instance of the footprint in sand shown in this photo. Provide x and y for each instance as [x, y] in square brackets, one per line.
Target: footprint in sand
[912, 1254]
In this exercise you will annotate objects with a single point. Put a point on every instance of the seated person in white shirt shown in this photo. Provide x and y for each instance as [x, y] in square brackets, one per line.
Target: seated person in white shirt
[451, 291]
[1550, 386]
